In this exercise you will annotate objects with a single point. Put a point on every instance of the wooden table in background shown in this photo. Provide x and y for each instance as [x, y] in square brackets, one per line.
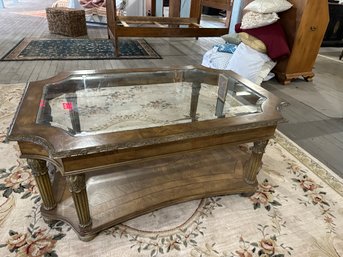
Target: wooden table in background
[152, 26]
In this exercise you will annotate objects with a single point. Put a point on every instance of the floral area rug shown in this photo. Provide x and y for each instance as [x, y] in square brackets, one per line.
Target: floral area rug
[30, 49]
[297, 210]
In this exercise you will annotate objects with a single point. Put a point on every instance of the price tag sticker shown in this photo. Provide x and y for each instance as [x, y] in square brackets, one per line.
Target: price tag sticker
[42, 103]
[67, 105]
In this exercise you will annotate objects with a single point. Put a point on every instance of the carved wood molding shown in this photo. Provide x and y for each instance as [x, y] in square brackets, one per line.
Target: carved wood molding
[259, 146]
[76, 183]
[38, 167]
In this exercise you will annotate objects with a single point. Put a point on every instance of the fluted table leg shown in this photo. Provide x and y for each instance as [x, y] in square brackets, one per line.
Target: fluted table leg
[77, 186]
[254, 163]
[41, 175]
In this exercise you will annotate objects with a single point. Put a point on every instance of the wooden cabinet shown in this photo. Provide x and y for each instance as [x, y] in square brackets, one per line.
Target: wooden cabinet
[305, 25]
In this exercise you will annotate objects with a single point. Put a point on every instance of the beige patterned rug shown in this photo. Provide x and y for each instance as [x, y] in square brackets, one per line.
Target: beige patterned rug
[297, 210]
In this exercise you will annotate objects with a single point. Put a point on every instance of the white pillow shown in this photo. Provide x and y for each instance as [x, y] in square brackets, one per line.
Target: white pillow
[253, 20]
[216, 60]
[264, 74]
[268, 6]
[248, 62]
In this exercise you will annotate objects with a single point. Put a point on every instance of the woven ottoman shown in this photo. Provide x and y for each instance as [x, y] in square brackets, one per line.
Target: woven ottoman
[66, 21]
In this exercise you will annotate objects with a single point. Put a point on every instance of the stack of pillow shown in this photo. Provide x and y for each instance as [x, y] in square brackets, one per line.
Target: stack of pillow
[261, 22]
[261, 42]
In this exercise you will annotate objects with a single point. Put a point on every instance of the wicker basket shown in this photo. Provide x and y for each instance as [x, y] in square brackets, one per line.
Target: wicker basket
[66, 21]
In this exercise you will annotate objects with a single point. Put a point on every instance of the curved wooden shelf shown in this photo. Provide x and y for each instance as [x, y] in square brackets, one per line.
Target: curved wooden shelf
[135, 188]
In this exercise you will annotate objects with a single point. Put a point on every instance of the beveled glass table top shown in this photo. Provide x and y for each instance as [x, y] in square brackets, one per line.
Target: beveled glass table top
[96, 103]
[87, 112]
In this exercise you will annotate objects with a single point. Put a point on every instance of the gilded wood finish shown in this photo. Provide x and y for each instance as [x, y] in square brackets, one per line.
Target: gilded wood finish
[77, 186]
[116, 176]
[253, 165]
[41, 175]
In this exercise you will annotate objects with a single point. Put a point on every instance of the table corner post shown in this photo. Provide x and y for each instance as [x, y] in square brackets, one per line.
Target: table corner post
[77, 186]
[254, 163]
[41, 174]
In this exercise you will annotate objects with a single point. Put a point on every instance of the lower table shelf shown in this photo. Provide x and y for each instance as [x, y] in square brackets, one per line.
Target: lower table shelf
[138, 187]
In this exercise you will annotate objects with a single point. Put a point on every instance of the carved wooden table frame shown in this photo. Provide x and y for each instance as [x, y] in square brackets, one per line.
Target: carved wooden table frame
[127, 150]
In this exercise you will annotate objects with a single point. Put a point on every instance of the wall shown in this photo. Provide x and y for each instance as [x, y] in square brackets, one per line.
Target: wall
[134, 7]
[237, 12]
[137, 8]
[185, 7]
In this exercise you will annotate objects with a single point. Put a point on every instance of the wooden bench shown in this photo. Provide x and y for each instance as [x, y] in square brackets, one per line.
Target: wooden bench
[151, 26]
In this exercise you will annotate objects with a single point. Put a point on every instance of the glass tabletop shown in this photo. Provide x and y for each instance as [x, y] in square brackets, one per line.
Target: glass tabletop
[97, 103]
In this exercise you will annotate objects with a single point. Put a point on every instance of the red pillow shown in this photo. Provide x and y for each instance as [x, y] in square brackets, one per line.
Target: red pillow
[272, 36]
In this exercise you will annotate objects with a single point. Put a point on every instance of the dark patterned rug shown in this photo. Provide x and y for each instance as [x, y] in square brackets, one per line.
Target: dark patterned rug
[79, 49]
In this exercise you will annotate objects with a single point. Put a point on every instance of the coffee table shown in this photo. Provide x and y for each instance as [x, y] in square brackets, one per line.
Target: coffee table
[126, 142]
